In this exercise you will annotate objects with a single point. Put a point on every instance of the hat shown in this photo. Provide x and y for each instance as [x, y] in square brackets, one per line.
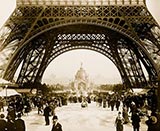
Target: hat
[154, 119]
[119, 112]
[2, 116]
[55, 117]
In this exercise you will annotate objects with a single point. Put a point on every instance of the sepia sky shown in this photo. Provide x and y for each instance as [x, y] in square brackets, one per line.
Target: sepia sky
[63, 69]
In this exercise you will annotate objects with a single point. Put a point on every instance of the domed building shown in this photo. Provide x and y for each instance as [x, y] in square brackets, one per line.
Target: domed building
[81, 82]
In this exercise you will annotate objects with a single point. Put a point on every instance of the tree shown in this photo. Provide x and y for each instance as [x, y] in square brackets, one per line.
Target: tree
[118, 88]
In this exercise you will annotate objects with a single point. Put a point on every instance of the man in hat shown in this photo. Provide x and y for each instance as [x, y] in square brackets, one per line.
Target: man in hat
[19, 123]
[135, 120]
[56, 125]
[47, 111]
[151, 123]
[10, 124]
[3, 123]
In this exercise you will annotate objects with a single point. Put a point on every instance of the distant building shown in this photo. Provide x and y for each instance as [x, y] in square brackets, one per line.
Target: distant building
[81, 82]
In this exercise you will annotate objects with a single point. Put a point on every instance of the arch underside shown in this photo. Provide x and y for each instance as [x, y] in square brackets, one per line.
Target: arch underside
[122, 51]
[35, 35]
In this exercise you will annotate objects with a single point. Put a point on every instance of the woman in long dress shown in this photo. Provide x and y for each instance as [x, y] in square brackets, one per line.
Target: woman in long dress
[119, 122]
[125, 115]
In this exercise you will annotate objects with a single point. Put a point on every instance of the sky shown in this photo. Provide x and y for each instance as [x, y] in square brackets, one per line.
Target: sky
[98, 67]
[63, 69]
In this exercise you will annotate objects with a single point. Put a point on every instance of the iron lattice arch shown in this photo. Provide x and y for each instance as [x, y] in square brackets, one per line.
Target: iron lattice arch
[38, 31]
[40, 51]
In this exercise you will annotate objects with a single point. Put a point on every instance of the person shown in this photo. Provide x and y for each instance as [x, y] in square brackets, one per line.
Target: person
[10, 124]
[112, 103]
[1, 105]
[47, 111]
[119, 122]
[125, 115]
[118, 104]
[56, 125]
[3, 123]
[135, 121]
[84, 103]
[104, 102]
[11, 113]
[151, 122]
[19, 123]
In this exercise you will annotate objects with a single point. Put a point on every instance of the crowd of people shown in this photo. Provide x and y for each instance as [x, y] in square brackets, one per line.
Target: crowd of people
[18, 106]
[17, 125]
[131, 108]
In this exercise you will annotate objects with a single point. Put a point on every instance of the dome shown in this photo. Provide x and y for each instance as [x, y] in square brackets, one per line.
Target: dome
[81, 74]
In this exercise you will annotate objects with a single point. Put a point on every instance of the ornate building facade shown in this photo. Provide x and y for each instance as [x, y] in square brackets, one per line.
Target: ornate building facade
[81, 82]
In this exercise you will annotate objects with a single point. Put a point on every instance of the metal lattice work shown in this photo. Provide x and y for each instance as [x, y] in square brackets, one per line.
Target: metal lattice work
[39, 52]
[26, 37]
[80, 2]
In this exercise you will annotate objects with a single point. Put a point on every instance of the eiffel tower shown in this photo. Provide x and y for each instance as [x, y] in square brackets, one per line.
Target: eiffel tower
[40, 30]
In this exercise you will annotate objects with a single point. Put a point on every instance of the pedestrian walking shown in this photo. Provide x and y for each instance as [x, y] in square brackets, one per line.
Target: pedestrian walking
[104, 102]
[10, 124]
[56, 125]
[152, 122]
[19, 123]
[125, 115]
[3, 123]
[118, 104]
[47, 113]
[119, 122]
[112, 103]
[11, 113]
[135, 121]
[1, 105]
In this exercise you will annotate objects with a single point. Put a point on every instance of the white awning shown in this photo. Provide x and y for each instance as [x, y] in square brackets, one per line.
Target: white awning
[4, 82]
[8, 92]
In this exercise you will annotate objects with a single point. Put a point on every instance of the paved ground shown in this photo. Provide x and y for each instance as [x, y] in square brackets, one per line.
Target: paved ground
[74, 118]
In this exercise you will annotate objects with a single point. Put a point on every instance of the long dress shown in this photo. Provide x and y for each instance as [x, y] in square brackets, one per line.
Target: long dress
[119, 124]
[125, 115]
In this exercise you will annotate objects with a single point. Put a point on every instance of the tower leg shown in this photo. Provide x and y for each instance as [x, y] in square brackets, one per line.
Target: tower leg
[158, 97]
[157, 128]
